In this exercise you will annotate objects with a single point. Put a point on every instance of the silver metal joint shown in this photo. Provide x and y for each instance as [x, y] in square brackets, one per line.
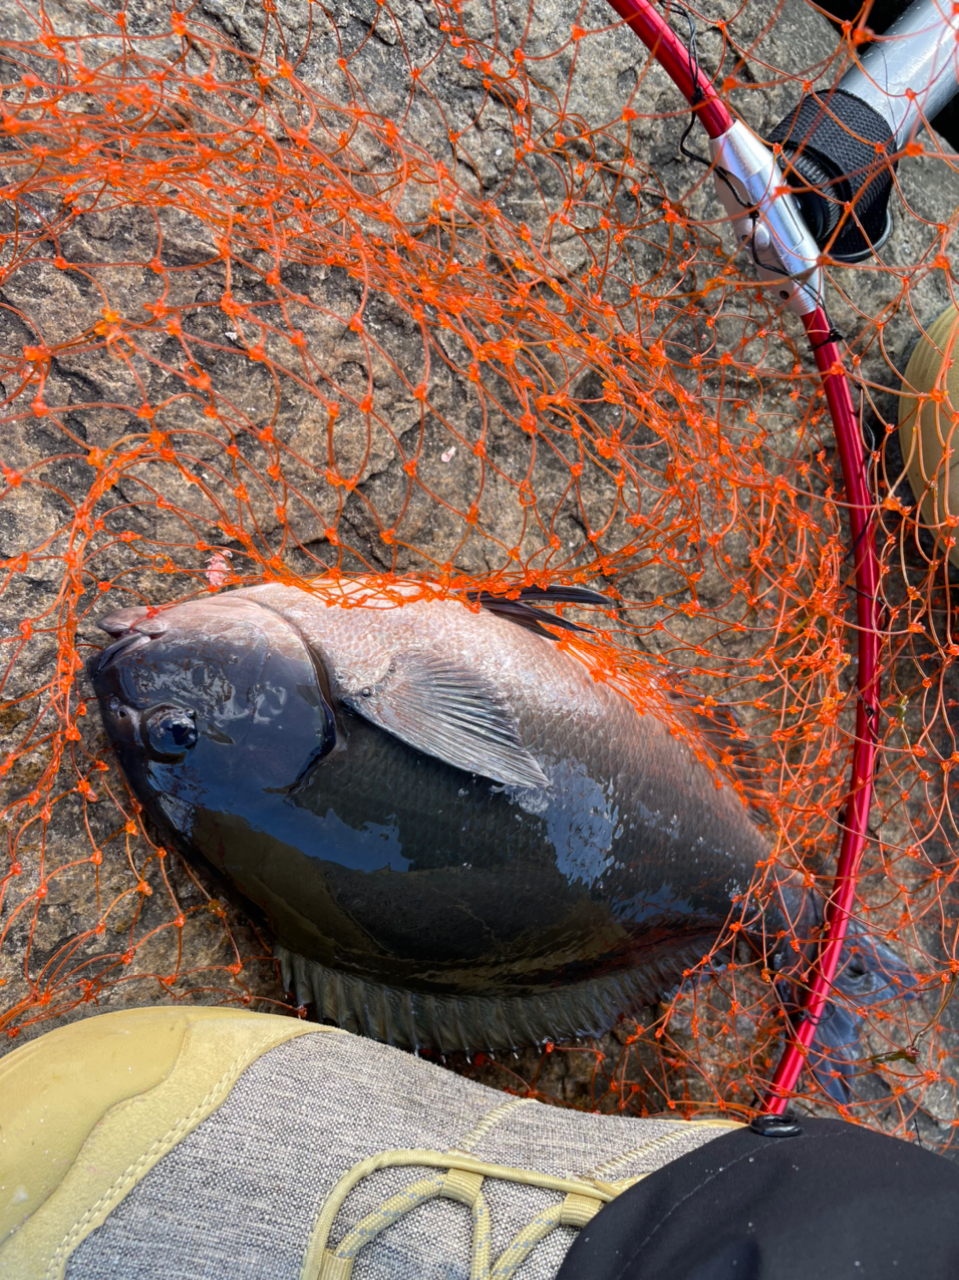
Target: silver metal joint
[911, 72]
[766, 219]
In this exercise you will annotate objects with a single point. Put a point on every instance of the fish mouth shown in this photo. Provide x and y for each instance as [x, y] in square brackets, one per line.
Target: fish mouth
[101, 662]
[133, 628]
[143, 618]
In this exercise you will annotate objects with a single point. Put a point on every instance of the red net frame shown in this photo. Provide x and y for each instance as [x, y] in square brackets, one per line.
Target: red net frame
[291, 334]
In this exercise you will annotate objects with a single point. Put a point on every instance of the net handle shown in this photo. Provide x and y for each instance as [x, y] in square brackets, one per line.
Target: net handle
[675, 58]
[859, 797]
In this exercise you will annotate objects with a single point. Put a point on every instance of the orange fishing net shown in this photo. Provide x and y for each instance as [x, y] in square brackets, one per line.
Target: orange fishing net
[428, 288]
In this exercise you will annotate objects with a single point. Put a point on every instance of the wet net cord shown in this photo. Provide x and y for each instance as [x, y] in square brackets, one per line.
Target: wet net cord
[673, 56]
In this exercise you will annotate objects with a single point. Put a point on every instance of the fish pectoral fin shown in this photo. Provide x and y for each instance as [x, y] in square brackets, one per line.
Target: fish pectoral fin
[452, 713]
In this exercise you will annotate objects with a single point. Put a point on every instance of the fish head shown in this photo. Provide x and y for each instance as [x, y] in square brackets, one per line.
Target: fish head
[211, 704]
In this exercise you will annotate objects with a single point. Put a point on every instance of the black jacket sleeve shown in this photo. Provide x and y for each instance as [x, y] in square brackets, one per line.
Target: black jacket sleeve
[811, 1200]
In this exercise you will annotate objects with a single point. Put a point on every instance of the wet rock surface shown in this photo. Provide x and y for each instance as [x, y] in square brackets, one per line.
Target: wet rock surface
[129, 924]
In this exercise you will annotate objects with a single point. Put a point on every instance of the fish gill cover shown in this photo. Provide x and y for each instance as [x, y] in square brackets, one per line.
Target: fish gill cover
[416, 288]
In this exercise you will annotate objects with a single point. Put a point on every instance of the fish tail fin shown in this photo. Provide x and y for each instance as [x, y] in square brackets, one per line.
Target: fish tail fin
[870, 974]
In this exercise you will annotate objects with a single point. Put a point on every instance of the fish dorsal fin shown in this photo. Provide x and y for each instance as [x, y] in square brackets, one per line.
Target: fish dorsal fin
[521, 610]
[450, 712]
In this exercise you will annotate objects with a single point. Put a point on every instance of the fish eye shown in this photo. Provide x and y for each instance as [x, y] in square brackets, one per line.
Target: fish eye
[169, 732]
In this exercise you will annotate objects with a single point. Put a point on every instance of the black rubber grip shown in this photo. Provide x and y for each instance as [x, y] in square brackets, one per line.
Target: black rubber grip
[838, 150]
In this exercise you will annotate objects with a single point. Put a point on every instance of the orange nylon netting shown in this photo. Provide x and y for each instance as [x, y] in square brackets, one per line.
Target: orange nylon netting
[427, 289]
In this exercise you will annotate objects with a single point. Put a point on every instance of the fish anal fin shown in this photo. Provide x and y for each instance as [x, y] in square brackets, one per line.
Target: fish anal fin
[453, 713]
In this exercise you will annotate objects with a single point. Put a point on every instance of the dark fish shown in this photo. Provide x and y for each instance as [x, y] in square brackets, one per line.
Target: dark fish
[461, 838]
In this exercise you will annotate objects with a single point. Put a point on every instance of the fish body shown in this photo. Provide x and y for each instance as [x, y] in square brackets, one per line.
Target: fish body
[461, 838]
